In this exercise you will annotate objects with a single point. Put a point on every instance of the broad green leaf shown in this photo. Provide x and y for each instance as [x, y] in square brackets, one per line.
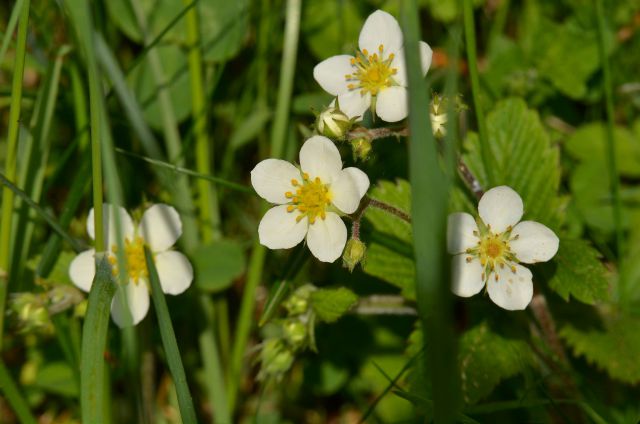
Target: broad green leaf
[218, 264]
[381, 261]
[330, 304]
[588, 144]
[58, 378]
[615, 350]
[486, 359]
[446, 10]
[142, 82]
[523, 158]
[579, 274]
[331, 27]
[391, 267]
[60, 272]
[223, 23]
[567, 55]
[250, 127]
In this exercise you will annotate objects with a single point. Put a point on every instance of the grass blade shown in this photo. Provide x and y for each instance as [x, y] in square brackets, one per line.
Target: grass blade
[11, 26]
[14, 397]
[94, 340]
[429, 194]
[170, 344]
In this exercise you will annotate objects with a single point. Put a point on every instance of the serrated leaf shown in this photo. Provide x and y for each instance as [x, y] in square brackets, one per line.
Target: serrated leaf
[579, 274]
[330, 304]
[391, 267]
[615, 350]
[567, 55]
[396, 194]
[523, 158]
[486, 359]
[218, 264]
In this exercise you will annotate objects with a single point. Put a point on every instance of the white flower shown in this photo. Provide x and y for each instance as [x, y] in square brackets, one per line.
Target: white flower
[159, 229]
[489, 252]
[376, 77]
[310, 199]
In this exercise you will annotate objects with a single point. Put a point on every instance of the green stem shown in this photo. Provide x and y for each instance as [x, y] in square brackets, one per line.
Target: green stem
[429, 189]
[207, 196]
[187, 410]
[285, 86]
[472, 59]
[10, 161]
[611, 142]
[11, 26]
[14, 397]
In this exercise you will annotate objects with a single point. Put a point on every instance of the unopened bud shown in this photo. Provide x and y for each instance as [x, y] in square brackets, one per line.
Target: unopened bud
[354, 253]
[298, 302]
[438, 124]
[361, 148]
[295, 332]
[276, 359]
[333, 123]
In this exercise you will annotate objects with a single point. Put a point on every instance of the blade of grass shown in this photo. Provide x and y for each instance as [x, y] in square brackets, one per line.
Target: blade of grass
[187, 411]
[429, 194]
[207, 196]
[34, 164]
[171, 134]
[43, 214]
[14, 397]
[612, 164]
[472, 59]
[94, 341]
[11, 26]
[10, 161]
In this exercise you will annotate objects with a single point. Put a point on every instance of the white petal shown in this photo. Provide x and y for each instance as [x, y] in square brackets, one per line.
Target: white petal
[391, 104]
[400, 65]
[83, 269]
[512, 291]
[501, 207]
[330, 74]
[280, 230]
[271, 179]
[361, 179]
[345, 192]
[109, 221]
[174, 270]
[354, 104]
[380, 28]
[466, 277]
[319, 157]
[160, 227]
[137, 297]
[535, 242]
[327, 238]
[460, 232]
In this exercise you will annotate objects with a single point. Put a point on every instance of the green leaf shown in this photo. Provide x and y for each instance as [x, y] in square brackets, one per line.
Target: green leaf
[395, 194]
[389, 266]
[567, 55]
[224, 23]
[58, 378]
[330, 304]
[615, 350]
[331, 27]
[218, 264]
[486, 359]
[587, 144]
[580, 273]
[60, 272]
[523, 158]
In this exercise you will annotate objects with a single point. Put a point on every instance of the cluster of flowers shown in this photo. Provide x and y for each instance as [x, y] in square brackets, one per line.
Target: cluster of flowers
[311, 198]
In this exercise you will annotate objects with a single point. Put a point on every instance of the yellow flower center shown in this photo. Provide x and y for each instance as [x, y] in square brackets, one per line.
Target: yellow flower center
[493, 251]
[134, 258]
[311, 198]
[373, 72]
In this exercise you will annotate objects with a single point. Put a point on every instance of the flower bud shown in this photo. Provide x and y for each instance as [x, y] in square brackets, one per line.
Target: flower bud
[298, 302]
[333, 123]
[361, 148]
[353, 254]
[295, 332]
[276, 359]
